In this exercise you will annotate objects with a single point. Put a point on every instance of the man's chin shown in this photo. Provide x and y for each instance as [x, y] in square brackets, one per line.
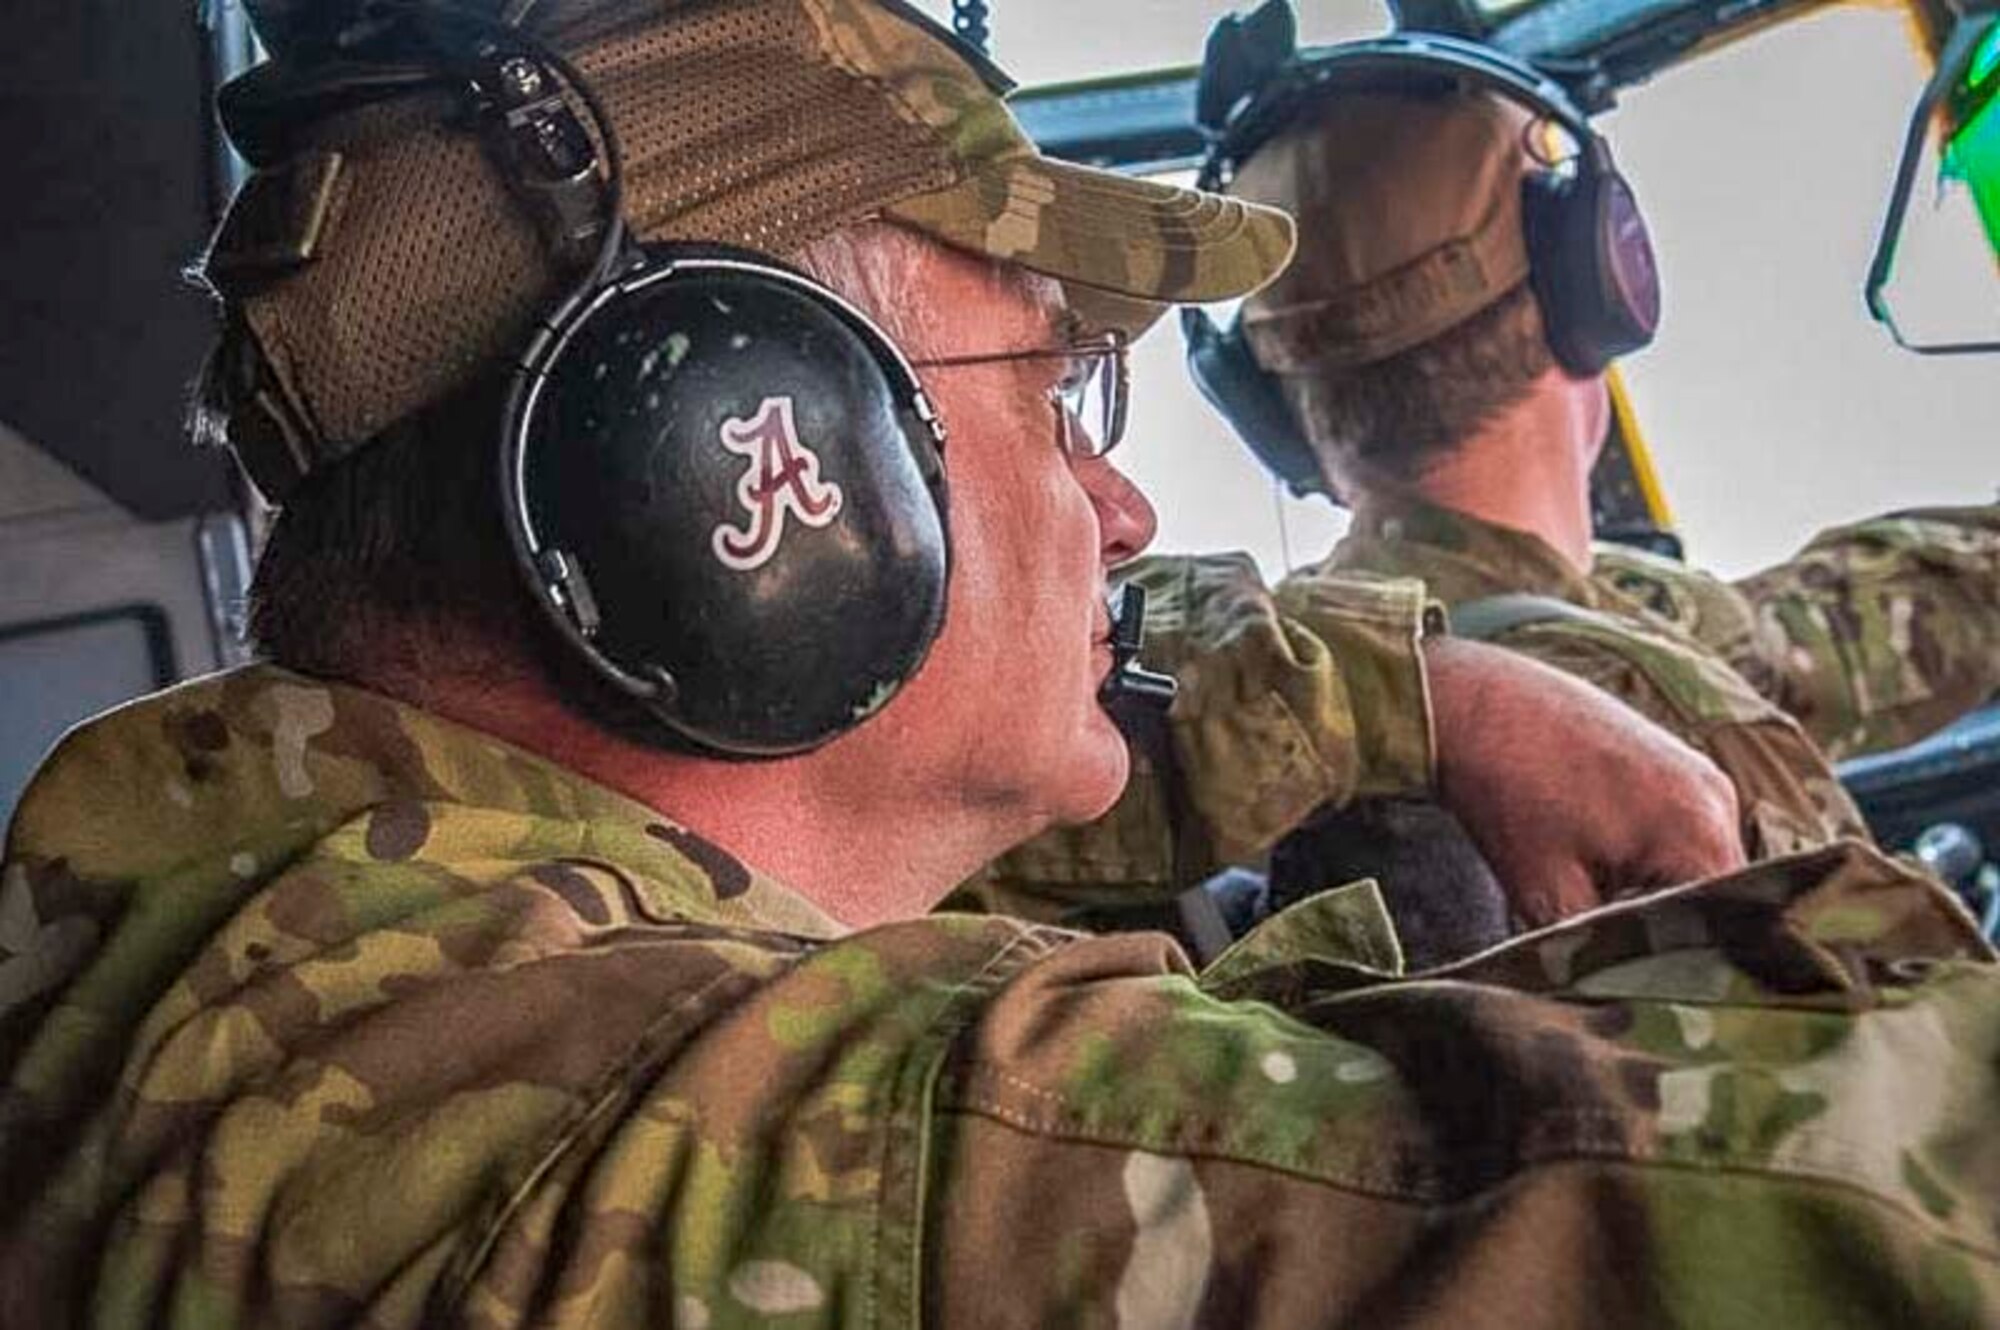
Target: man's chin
[1071, 782]
[1103, 764]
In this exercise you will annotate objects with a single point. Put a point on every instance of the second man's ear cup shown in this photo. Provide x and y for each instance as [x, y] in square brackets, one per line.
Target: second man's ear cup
[1590, 263]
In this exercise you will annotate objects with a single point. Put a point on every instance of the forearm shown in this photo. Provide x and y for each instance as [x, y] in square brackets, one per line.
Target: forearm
[1881, 632]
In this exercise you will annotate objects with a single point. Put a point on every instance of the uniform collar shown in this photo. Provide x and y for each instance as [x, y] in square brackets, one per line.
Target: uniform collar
[1460, 557]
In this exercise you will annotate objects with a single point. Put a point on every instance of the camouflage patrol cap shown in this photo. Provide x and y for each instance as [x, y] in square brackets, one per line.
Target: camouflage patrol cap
[761, 123]
[1409, 208]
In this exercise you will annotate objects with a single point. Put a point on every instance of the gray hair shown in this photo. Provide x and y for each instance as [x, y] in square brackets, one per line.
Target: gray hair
[880, 267]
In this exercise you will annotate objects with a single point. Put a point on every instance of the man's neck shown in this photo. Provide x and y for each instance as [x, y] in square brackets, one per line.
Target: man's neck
[1529, 469]
[804, 820]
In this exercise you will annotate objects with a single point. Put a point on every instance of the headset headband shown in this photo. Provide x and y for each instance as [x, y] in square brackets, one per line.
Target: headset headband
[1237, 122]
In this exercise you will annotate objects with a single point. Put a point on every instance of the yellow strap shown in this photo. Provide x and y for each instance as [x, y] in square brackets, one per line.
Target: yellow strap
[1635, 449]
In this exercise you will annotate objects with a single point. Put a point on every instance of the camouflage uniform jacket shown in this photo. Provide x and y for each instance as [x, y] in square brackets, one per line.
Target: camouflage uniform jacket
[319, 1010]
[1786, 786]
[1872, 636]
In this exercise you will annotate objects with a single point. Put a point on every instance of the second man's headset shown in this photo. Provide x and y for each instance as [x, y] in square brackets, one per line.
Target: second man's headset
[723, 484]
[1590, 260]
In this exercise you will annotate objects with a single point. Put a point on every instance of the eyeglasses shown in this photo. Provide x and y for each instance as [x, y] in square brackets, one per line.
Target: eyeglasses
[1089, 398]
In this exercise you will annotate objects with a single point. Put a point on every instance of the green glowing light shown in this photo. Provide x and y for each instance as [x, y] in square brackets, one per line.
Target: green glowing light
[1985, 60]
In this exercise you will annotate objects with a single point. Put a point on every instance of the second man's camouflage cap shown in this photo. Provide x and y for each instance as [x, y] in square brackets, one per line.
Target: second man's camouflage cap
[761, 123]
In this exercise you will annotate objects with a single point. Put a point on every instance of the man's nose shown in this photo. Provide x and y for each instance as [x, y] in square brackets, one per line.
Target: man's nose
[1126, 522]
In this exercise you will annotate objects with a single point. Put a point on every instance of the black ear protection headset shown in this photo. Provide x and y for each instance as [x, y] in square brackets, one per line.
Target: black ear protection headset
[1590, 260]
[722, 483]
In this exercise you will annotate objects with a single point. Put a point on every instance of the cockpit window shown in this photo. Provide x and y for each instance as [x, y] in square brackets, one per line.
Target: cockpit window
[1769, 378]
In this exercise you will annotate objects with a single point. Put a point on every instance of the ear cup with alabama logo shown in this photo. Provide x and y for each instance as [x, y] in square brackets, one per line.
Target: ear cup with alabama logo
[725, 488]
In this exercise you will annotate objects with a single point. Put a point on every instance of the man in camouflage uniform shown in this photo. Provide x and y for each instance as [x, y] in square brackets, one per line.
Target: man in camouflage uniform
[1466, 450]
[404, 992]
[1410, 346]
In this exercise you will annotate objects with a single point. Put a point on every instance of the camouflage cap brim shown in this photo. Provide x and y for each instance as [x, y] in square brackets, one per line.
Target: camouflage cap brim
[1124, 248]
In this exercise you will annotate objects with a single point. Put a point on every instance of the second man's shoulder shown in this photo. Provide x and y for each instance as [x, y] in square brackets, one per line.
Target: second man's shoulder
[1696, 602]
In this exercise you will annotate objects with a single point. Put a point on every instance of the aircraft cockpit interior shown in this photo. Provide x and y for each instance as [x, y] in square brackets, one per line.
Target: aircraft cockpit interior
[592, 732]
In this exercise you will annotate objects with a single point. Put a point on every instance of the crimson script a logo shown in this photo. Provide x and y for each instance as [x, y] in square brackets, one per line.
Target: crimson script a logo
[782, 479]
